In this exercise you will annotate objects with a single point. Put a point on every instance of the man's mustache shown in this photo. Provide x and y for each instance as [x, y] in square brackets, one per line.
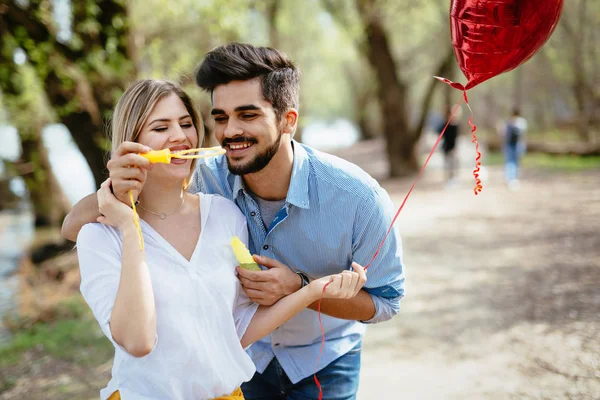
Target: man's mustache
[239, 139]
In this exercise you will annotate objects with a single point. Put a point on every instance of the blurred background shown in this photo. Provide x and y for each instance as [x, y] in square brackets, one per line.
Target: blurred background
[503, 289]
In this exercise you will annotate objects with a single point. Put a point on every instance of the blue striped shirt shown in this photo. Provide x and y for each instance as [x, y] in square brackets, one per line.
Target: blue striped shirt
[334, 213]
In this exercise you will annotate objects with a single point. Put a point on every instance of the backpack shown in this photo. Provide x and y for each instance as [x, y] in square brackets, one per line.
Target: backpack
[513, 134]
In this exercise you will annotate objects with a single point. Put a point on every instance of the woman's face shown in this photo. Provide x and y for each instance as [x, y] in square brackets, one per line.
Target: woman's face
[169, 125]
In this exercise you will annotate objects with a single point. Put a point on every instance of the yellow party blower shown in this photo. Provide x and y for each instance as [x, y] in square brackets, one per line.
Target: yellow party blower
[242, 255]
[164, 156]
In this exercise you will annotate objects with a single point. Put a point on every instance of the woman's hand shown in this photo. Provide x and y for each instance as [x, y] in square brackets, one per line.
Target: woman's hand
[128, 170]
[114, 213]
[344, 285]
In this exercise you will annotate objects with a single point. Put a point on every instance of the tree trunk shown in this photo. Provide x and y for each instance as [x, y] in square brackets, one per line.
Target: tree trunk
[46, 196]
[88, 137]
[579, 85]
[518, 89]
[272, 10]
[576, 35]
[391, 93]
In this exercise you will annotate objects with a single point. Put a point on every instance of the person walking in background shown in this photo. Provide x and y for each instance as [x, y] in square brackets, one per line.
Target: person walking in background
[514, 147]
[449, 141]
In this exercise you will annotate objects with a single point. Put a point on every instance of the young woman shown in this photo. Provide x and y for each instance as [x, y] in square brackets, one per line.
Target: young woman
[175, 311]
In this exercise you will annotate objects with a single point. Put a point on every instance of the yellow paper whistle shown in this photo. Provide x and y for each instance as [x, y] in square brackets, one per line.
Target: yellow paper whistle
[164, 156]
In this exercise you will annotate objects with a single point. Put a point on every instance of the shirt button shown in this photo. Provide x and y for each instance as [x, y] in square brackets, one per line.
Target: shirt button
[252, 214]
[266, 247]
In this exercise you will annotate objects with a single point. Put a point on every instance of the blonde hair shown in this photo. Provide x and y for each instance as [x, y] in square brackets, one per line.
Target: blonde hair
[136, 104]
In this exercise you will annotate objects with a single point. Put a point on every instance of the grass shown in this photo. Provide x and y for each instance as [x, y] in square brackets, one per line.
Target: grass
[74, 336]
[549, 162]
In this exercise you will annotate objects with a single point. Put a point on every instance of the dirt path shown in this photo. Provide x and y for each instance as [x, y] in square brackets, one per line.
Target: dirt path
[503, 290]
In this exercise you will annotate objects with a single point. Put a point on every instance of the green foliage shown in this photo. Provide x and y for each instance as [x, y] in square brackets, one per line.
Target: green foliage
[28, 111]
[327, 56]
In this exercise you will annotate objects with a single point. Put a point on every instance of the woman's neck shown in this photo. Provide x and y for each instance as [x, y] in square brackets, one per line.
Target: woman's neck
[161, 198]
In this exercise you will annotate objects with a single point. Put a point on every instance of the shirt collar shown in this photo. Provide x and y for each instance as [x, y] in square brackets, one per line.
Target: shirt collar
[298, 190]
[238, 186]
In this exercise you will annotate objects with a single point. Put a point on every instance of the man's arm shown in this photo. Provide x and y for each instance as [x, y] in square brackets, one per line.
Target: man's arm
[269, 286]
[85, 211]
[127, 173]
[385, 286]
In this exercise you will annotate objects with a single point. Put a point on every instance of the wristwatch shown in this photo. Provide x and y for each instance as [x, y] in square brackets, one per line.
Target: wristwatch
[304, 278]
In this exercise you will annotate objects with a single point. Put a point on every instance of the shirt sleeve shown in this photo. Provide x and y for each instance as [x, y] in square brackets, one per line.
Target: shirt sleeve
[385, 277]
[243, 308]
[99, 253]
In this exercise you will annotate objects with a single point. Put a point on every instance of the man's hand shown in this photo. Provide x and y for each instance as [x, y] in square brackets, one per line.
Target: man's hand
[267, 287]
[128, 170]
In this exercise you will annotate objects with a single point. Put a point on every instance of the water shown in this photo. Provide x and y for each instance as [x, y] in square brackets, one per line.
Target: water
[16, 233]
[69, 166]
[329, 136]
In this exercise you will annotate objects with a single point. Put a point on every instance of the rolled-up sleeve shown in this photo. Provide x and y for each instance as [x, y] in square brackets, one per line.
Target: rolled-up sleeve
[385, 276]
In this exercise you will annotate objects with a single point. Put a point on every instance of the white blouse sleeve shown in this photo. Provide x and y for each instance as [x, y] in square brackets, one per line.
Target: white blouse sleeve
[243, 308]
[99, 253]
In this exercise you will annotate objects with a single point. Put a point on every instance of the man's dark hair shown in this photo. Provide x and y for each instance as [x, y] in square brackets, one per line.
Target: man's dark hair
[279, 76]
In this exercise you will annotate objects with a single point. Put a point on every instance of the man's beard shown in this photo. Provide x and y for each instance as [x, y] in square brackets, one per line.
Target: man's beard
[259, 162]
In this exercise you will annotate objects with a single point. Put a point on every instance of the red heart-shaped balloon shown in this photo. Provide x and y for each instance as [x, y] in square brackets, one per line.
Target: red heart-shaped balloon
[495, 36]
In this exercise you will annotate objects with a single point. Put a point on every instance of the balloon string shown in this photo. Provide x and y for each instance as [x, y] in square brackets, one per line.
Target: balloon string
[477, 190]
[380, 244]
[414, 184]
[478, 186]
[322, 343]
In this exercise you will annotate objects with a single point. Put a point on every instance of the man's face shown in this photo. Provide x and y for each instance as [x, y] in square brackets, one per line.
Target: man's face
[245, 125]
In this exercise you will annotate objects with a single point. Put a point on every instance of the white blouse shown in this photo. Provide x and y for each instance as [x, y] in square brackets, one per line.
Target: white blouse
[201, 309]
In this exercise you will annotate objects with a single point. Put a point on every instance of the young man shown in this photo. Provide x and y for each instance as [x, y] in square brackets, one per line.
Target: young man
[309, 214]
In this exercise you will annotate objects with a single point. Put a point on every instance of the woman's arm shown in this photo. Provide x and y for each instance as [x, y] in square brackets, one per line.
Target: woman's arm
[267, 318]
[133, 316]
